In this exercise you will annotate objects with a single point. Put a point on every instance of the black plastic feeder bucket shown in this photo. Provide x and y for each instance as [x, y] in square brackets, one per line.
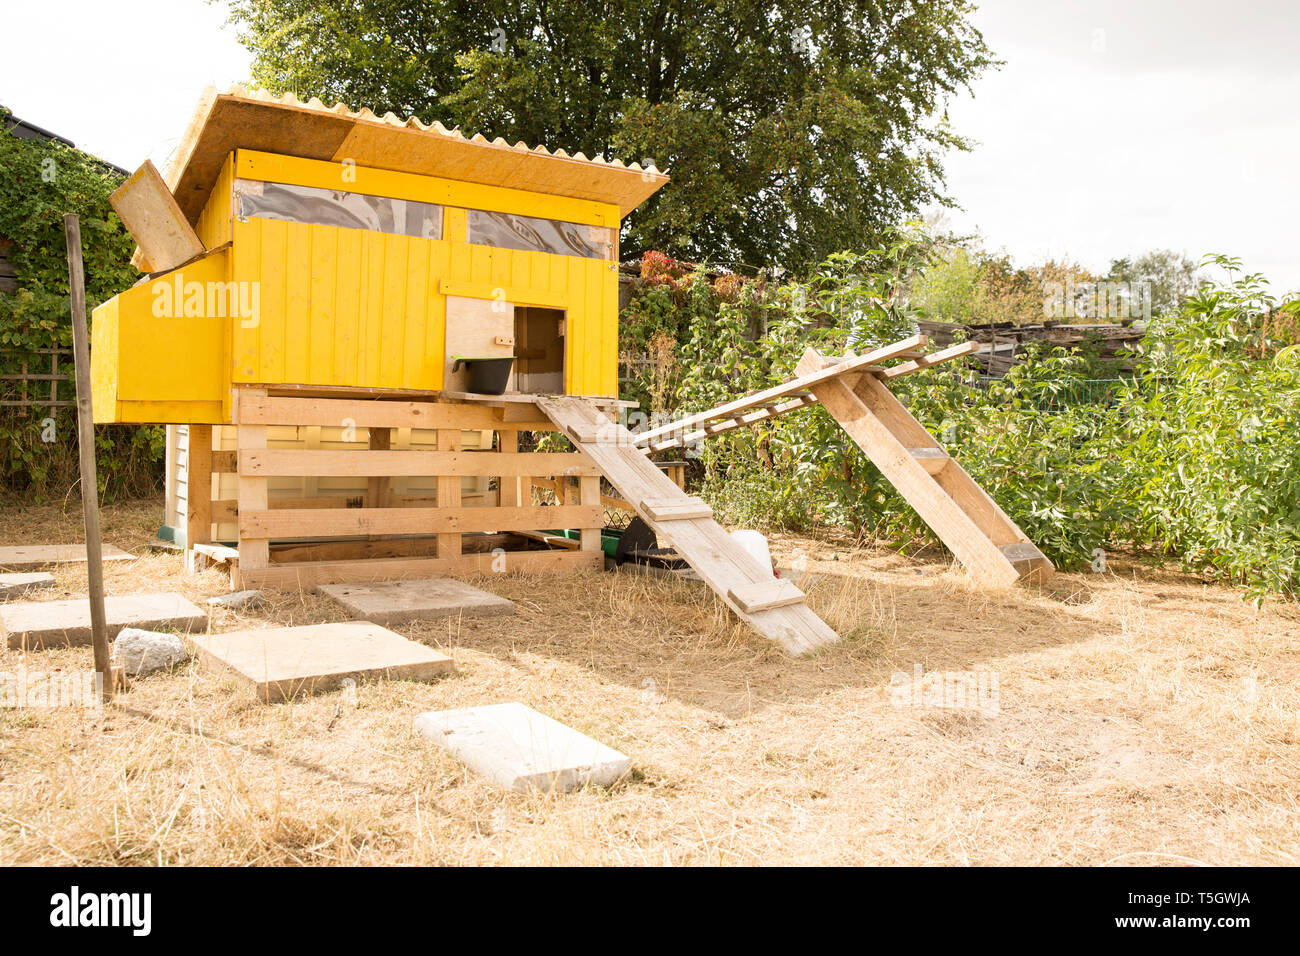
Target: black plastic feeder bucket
[487, 376]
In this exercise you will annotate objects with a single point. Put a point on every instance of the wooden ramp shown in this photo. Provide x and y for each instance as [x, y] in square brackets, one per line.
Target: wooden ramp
[774, 607]
[989, 544]
[854, 390]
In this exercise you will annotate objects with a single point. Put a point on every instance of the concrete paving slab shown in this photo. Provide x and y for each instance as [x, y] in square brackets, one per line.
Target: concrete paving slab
[37, 624]
[13, 585]
[285, 662]
[395, 602]
[25, 557]
[519, 749]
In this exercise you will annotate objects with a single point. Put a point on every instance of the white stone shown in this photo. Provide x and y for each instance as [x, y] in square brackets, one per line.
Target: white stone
[519, 749]
[238, 599]
[143, 652]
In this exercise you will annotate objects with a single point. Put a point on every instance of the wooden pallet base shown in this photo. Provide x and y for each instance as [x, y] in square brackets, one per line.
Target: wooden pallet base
[305, 575]
[378, 535]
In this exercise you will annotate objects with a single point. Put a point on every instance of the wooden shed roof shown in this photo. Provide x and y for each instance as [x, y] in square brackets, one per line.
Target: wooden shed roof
[254, 119]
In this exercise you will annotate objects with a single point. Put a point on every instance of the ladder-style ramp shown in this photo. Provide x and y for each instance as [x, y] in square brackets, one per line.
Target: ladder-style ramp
[854, 390]
[989, 544]
[774, 607]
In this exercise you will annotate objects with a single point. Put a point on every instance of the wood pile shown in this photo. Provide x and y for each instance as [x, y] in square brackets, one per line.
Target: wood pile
[1008, 341]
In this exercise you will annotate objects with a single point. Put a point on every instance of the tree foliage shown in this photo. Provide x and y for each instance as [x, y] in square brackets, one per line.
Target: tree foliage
[791, 130]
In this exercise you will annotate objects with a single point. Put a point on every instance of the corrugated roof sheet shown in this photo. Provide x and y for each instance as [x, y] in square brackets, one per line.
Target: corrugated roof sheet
[254, 119]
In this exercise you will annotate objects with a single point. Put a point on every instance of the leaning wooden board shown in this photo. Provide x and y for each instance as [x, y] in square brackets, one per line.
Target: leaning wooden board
[725, 566]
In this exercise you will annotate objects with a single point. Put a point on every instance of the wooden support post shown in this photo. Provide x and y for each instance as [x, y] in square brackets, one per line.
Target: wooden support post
[377, 486]
[198, 492]
[589, 494]
[963, 516]
[508, 487]
[448, 492]
[254, 553]
[86, 454]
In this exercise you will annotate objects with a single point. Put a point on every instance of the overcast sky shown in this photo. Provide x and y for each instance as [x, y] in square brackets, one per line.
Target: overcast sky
[1116, 126]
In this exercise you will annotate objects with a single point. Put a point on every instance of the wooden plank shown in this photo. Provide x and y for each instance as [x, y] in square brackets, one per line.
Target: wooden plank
[739, 421]
[148, 210]
[26, 557]
[309, 574]
[508, 486]
[218, 552]
[224, 462]
[251, 439]
[681, 508]
[296, 462]
[382, 413]
[589, 498]
[338, 522]
[797, 384]
[929, 360]
[972, 533]
[764, 596]
[449, 490]
[379, 439]
[553, 540]
[198, 490]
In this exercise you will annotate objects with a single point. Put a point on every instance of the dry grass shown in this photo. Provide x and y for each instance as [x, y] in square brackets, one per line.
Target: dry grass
[1144, 718]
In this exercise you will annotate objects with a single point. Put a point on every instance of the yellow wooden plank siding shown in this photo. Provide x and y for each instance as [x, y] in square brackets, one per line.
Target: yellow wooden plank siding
[354, 308]
[160, 349]
[213, 227]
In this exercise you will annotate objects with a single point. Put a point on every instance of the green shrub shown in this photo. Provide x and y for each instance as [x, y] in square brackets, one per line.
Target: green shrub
[1197, 457]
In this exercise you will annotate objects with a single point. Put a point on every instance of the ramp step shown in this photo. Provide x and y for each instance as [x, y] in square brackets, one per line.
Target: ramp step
[933, 460]
[1024, 555]
[586, 434]
[765, 595]
[675, 509]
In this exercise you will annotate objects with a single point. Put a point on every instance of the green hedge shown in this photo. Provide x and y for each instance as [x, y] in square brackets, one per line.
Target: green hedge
[39, 182]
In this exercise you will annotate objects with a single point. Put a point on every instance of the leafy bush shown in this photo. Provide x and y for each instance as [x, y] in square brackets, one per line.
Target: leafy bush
[39, 182]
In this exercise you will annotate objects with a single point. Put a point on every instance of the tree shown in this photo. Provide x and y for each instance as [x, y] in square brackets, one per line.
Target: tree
[1170, 278]
[792, 130]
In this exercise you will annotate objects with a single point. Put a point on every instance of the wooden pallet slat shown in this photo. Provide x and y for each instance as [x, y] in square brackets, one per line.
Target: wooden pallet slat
[296, 462]
[339, 522]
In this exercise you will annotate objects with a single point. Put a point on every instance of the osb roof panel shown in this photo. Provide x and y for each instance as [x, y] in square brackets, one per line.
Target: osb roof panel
[242, 119]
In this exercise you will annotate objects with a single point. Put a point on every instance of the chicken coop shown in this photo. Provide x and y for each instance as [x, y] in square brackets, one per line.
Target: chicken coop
[342, 318]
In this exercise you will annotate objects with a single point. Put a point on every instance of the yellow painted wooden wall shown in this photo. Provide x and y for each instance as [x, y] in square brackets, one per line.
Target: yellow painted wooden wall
[217, 217]
[345, 307]
[349, 307]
